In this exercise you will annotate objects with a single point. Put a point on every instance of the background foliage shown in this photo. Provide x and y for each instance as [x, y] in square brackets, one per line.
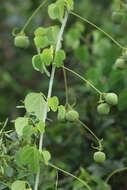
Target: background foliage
[92, 55]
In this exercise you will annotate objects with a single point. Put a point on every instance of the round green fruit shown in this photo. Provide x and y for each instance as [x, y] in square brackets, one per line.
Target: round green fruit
[117, 17]
[111, 98]
[119, 64]
[21, 41]
[103, 109]
[99, 156]
[72, 115]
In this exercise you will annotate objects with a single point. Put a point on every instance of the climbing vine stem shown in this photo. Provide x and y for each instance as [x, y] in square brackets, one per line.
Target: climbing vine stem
[98, 28]
[66, 86]
[73, 176]
[85, 80]
[58, 45]
[88, 129]
[33, 15]
[114, 172]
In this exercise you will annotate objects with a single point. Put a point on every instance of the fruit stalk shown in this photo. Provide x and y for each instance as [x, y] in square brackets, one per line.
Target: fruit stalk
[58, 45]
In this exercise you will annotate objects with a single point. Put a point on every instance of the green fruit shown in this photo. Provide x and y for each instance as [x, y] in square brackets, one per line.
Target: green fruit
[103, 109]
[111, 98]
[119, 64]
[21, 41]
[72, 115]
[117, 17]
[99, 156]
[61, 113]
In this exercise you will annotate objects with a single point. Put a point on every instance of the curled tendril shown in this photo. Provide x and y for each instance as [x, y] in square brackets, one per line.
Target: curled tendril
[15, 32]
[100, 147]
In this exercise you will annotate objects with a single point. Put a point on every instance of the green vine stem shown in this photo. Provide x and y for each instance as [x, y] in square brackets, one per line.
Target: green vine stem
[58, 45]
[98, 28]
[114, 172]
[33, 15]
[66, 86]
[69, 174]
[85, 80]
[91, 132]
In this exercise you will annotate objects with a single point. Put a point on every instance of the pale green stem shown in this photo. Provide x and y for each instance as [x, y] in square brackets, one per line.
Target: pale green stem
[88, 129]
[85, 80]
[69, 174]
[33, 15]
[98, 28]
[58, 45]
[66, 86]
[114, 172]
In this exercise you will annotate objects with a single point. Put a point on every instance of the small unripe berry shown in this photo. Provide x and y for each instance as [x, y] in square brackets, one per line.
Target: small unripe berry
[99, 156]
[117, 17]
[21, 41]
[119, 64]
[72, 115]
[103, 109]
[111, 98]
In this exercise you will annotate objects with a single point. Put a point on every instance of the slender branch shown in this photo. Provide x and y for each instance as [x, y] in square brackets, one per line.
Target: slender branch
[88, 129]
[114, 172]
[66, 86]
[86, 81]
[98, 28]
[34, 13]
[58, 45]
[67, 173]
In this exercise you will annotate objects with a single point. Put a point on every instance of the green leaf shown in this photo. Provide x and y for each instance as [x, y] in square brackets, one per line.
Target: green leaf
[53, 103]
[47, 56]
[56, 10]
[52, 33]
[37, 63]
[70, 4]
[41, 127]
[30, 156]
[41, 42]
[18, 185]
[51, 11]
[40, 31]
[27, 131]
[59, 58]
[35, 103]
[61, 113]
[46, 156]
[20, 123]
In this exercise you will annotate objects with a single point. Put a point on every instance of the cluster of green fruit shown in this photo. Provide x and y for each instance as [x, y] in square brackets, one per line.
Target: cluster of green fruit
[120, 63]
[67, 115]
[109, 99]
[71, 115]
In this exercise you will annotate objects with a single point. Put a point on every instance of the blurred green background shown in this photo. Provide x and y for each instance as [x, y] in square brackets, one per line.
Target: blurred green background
[89, 53]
